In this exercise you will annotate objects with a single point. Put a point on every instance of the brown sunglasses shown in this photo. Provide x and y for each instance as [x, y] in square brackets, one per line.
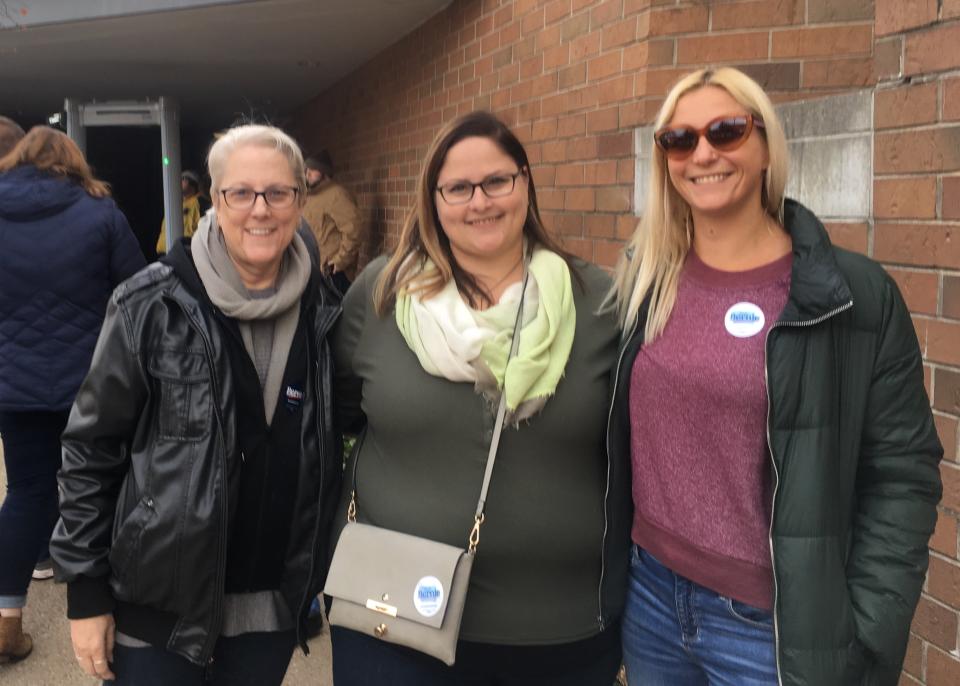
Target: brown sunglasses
[723, 133]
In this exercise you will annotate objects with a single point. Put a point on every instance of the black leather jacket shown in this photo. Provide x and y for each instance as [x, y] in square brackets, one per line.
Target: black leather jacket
[151, 466]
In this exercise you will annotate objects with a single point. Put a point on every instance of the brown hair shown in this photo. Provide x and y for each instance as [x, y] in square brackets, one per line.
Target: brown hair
[10, 134]
[422, 236]
[53, 152]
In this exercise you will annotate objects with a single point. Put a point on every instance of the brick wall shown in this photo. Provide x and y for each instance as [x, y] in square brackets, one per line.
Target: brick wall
[574, 77]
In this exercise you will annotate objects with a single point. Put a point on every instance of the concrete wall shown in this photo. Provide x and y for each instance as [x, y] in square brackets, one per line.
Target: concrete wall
[579, 79]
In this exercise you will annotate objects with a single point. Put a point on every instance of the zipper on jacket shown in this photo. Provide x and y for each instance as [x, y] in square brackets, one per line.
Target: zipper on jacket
[206, 654]
[606, 495]
[776, 472]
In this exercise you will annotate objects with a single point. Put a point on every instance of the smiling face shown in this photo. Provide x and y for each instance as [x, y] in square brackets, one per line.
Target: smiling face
[712, 182]
[257, 237]
[483, 231]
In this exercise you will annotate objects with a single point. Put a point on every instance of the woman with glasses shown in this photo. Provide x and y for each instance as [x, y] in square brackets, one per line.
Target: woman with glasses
[421, 355]
[770, 396]
[200, 466]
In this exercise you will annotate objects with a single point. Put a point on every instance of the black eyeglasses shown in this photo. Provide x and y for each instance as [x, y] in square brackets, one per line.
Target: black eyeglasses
[279, 197]
[723, 133]
[494, 186]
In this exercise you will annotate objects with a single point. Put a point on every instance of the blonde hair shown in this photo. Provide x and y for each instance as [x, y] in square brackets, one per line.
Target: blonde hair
[53, 152]
[422, 236]
[261, 136]
[650, 266]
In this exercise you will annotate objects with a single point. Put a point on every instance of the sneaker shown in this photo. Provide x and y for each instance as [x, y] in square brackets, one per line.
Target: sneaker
[43, 570]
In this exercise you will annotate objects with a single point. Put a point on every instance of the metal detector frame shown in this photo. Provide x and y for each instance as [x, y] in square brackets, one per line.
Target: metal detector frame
[163, 112]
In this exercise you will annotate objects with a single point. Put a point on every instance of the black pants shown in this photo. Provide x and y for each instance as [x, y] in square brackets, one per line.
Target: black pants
[31, 453]
[359, 660]
[257, 659]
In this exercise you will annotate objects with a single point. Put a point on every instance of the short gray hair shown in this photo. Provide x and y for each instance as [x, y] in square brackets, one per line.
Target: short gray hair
[257, 135]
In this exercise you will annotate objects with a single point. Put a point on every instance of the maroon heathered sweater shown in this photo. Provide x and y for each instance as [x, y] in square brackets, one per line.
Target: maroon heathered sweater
[698, 414]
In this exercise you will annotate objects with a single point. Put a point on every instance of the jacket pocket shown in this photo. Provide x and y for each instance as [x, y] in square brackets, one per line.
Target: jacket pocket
[185, 403]
[125, 551]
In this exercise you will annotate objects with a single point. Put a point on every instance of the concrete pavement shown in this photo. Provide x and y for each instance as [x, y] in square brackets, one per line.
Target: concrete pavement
[52, 662]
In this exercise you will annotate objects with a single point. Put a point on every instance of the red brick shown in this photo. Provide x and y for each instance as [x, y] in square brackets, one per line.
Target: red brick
[951, 99]
[600, 173]
[754, 14]
[615, 90]
[949, 9]
[726, 47]
[574, 75]
[606, 12]
[855, 73]
[943, 342]
[649, 53]
[888, 58]
[666, 22]
[573, 125]
[923, 245]
[913, 662]
[619, 34]
[849, 235]
[936, 624]
[926, 150]
[832, 12]
[947, 431]
[932, 50]
[574, 26]
[603, 120]
[625, 170]
[895, 16]
[600, 225]
[906, 106]
[919, 289]
[606, 65]
[556, 56]
[613, 199]
[585, 46]
[942, 669]
[558, 9]
[943, 581]
[582, 148]
[580, 248]
[657, 81]
[823, 41]
[570, 175]
[950, 198]
[607, 253]
[944, 539]
[615, 145]
[532, 22]
[907, 680]
[905, 198]
[951, 297]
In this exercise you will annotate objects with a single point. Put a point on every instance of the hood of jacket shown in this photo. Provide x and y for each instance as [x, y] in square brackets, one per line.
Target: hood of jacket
[27, 194]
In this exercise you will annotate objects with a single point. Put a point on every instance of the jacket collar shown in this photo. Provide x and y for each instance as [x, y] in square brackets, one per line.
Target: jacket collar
[817, 286]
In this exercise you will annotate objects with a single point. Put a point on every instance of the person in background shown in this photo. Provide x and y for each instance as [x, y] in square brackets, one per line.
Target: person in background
[334, 219]
[421, 358]
[200, 464]
[65, 247]
[770, 396]
[10, 134]
[194, 206]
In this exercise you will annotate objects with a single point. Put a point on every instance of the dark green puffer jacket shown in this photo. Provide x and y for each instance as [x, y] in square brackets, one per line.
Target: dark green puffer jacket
[855, 456]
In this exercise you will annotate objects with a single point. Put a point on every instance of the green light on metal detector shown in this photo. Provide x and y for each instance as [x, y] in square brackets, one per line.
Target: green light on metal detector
[166, 161]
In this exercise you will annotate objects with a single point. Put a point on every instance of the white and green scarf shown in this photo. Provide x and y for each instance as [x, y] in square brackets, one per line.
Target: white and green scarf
[459, 343]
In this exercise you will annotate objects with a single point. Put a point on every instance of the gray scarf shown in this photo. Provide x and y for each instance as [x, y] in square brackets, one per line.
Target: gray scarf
[226, 290]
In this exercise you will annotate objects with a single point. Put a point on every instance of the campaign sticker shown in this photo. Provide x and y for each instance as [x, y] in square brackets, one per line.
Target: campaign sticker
[744, 320]
[428, 596]
[294, 398]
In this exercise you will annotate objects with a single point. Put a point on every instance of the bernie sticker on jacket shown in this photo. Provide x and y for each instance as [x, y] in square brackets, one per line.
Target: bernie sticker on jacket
[428, 596]
[744, 320]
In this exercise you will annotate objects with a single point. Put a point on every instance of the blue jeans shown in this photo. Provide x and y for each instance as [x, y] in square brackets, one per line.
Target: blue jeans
[31, 455]
[255, 659]
[678, 633]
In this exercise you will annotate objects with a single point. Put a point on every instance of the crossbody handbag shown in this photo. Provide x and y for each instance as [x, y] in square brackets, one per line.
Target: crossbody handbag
[406, 589]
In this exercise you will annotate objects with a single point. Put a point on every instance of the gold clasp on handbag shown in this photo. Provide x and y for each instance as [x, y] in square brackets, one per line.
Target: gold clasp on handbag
[352, 509]
[380, 630]
[475, 532]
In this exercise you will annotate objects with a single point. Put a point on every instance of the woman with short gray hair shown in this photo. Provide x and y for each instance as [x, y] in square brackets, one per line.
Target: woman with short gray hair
[200, 463]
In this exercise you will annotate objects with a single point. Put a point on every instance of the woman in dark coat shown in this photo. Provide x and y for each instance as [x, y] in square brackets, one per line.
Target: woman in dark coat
[65, 247]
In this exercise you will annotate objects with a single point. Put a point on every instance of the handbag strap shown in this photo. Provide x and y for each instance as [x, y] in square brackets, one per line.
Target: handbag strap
[498, 427]
[478, 517]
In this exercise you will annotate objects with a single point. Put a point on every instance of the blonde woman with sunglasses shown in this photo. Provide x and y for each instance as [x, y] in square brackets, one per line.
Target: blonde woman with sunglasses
[770, 397]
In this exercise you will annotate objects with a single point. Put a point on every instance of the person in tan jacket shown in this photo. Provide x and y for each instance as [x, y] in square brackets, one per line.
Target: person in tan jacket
[334, 219]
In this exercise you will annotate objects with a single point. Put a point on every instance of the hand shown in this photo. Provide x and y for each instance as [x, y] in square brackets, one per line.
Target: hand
[93, 645]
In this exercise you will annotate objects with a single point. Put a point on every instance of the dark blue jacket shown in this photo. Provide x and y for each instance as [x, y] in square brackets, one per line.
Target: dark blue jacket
[62, 252]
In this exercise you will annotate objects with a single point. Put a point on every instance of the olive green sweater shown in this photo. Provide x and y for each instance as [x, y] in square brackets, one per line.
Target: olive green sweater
[419, 464]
